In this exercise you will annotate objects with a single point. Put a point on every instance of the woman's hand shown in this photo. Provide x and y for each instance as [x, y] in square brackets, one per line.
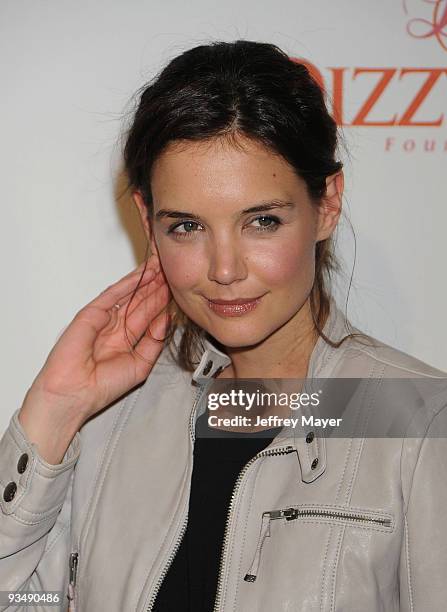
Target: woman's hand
[92, 363]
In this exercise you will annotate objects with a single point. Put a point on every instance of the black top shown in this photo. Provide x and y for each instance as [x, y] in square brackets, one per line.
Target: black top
[191, 581]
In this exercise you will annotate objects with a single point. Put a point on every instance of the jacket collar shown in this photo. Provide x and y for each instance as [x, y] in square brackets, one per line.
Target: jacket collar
[211, 363]
[311, 457]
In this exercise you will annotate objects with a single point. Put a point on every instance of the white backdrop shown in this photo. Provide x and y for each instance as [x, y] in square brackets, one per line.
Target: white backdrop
[68, 73]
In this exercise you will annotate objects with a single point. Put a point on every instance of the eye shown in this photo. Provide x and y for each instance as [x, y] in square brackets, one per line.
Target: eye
[187, 225]
[273, 223]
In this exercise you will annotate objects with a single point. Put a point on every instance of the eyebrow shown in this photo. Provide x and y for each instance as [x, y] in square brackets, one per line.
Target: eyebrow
[261, 207]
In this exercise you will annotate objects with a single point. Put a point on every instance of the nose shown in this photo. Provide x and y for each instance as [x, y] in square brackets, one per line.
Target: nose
[226, 262]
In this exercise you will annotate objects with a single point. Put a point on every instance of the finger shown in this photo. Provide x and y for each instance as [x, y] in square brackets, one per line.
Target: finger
[122, 288]
[139, 293]
[140, 297]
[152, 263]
[148, 348]
[142, 318]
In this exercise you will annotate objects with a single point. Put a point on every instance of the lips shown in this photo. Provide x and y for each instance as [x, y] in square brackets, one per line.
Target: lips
[233, 308]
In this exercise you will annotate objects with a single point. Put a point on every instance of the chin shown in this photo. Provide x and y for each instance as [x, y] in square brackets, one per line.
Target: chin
[240, 337]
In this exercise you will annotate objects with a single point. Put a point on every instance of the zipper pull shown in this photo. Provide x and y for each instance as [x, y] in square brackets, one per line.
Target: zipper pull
[72, 579]
[270, 515]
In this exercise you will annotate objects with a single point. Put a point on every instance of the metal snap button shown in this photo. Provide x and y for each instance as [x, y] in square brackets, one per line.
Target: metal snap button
[208, 367]
[10, 491]
[310, 436]
[22, 463]
[314, 463]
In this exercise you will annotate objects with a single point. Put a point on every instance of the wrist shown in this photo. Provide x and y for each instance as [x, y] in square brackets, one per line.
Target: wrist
[50, 425]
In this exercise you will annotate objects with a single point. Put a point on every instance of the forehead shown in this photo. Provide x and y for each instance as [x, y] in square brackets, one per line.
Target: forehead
[222, 171]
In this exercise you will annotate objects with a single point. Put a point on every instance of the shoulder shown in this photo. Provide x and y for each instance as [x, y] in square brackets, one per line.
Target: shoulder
[366, 353]
[394, 377]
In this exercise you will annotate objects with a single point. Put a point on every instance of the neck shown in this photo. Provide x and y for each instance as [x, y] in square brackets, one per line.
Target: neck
[284, 354]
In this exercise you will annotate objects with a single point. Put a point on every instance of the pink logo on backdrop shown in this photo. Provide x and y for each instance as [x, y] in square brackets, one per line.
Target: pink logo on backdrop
[434, 24]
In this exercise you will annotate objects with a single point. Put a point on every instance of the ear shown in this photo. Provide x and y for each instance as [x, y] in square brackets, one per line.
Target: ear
[330, 207]
[148, 230]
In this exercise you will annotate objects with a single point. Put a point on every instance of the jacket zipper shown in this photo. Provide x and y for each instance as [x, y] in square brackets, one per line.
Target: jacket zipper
[273, 451]
[72, 580]
[197, 397]
[290, 514]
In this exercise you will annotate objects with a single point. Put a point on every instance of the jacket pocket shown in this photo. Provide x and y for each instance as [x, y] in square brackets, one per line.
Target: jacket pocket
[348, 515]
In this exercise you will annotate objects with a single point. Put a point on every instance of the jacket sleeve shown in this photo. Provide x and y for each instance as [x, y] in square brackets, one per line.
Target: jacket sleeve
[35, 507]
[423, 567]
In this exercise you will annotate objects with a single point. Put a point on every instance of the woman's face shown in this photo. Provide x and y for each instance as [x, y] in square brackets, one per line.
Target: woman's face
[211, 248]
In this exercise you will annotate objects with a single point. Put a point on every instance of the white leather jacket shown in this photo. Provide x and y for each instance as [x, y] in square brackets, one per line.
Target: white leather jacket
[327, 524]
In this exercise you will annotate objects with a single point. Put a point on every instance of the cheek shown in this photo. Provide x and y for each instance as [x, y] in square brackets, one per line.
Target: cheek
[285, 262]
[181, 267]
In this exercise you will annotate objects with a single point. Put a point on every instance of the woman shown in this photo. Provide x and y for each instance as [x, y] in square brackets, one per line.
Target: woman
[113, 493]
